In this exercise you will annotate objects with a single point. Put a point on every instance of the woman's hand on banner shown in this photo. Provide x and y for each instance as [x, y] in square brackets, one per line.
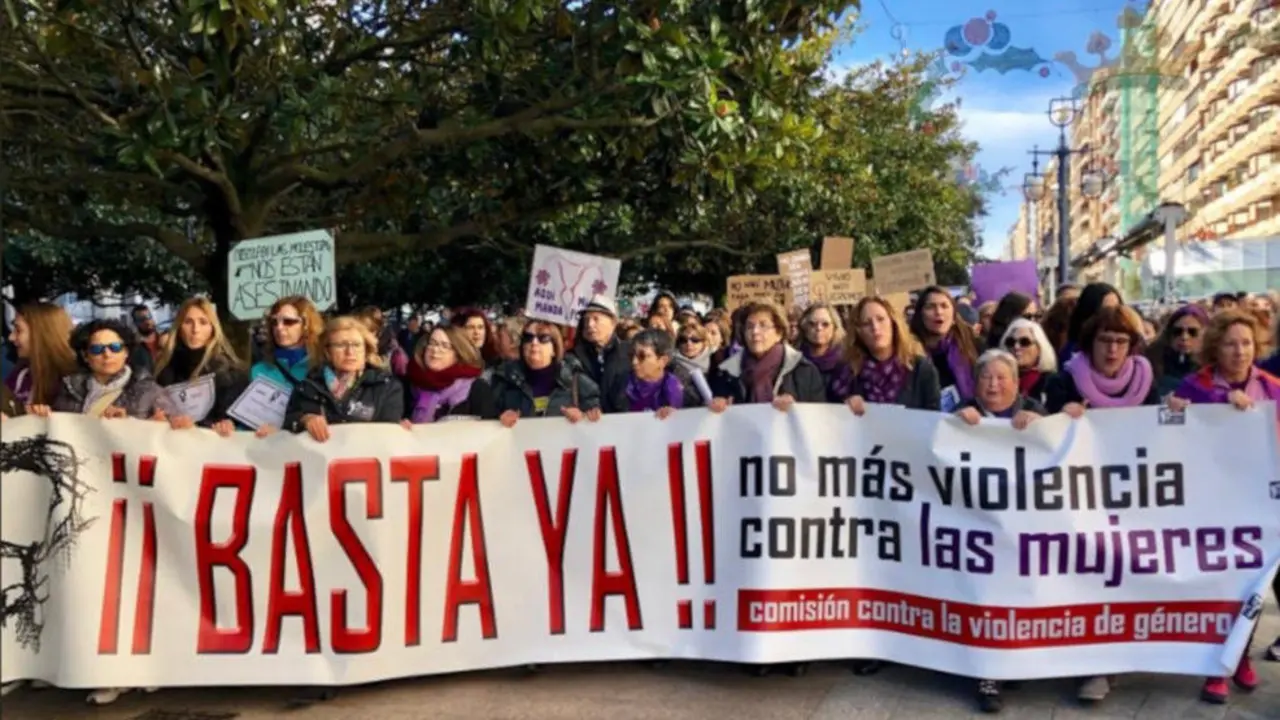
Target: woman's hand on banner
[509, 418]
[572, 414]
[1074, 410]
[971, 416]
[1240, 400]
[783, 403]
[406, 424]
[317, 427]
[224, 428]
[264, 431]
[857, 405]
[180, 422]
[666, 412]
[43, 411]
[1023, 418]
[594, 414]
[719, 405]
[116, 413]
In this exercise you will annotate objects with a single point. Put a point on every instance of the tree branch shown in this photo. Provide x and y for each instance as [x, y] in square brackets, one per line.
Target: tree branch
[659, 248]
[217, 178]
[172, 240]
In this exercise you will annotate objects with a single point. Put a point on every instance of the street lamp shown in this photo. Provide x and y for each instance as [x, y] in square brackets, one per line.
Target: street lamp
[1062, 112]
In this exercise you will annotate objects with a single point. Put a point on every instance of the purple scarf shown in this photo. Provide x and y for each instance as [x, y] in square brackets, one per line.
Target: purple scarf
[960, 367]
[881, 382]
[1127, 389]
[826, 362]
[429, 403]
[20, 383]
[1252, 387]
[645, 396]
[760, 373]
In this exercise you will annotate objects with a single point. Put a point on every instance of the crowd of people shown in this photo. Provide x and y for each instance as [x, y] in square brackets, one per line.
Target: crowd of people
[1087, 352]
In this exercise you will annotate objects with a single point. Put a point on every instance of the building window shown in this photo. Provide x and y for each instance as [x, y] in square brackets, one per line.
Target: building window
[1263, 210]
[1238, 88]
[1262, 16]
[1193, 172]
[1261, 66]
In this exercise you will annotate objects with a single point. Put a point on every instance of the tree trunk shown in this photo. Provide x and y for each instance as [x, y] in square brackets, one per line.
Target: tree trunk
[238, 332]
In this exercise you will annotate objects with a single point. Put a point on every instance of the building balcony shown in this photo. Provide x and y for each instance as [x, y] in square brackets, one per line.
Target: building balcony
[1263, 137]
[1262, 91]
[1234, 67]
[1259, 187]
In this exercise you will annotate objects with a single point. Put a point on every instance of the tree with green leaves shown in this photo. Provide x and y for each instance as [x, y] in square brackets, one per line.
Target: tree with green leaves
[407, 125]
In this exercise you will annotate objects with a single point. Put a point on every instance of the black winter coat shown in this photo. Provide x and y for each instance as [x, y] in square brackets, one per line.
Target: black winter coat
[229, 383]
[608, 370]
[798, 378]
[376, 398]
[574, 388]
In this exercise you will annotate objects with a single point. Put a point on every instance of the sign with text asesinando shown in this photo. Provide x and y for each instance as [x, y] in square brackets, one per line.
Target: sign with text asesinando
[263, 270]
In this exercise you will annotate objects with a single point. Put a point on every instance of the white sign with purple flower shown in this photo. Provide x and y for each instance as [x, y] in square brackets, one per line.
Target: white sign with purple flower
[562, 282]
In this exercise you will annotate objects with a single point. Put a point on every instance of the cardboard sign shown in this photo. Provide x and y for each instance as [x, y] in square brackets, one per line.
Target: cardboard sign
[742, 289]
[797, 265]
[838, 287]
[899, 301]
[837, 253]
[263, 270]
[904, 272]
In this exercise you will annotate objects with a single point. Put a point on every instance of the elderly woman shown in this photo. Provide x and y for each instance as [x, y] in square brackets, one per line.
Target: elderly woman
[653, 385]
[350, 385]
[822, 341]
[1108, 371]
[1175, 352]
[1037, 362]
[541, 384]
[444, 380]
[886, 365]
[951, 344]
[692, 350]
[1228, 375]
[200, 348]
[107, 387]
[768, 370]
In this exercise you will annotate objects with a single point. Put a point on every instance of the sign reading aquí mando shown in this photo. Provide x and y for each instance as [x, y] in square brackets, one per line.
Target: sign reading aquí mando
[137, 555]
[263, 270]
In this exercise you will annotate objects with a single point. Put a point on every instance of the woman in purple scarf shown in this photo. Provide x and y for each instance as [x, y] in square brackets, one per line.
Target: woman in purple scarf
[1109, 371]
[885, 364]
[652, 385]
[822, 341]
[950, 343]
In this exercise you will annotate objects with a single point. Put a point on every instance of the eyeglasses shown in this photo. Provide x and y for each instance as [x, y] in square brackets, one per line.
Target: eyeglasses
[114, 348]
[819, 324]
[1183, 330]
[540, 338]
[759, 327]
[346, 346]
[689, 340]
[642, 356]
[1117, 341]
[278, 321]
[433, 345]
[1019, 342]
[1033, 316]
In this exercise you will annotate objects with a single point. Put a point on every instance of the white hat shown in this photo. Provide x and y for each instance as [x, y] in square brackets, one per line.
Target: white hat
[602, 304]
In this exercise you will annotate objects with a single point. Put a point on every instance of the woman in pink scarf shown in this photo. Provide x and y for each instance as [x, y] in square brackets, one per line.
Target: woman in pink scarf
[1227, 375]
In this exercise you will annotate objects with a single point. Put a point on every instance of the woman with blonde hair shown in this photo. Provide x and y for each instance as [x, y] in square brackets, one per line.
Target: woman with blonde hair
[294, 327]
[348, 384]
[197, 348]
[41, 337]
[821, 339]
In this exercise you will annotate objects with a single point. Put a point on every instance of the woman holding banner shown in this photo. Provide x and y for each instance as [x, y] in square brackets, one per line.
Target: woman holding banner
[350, 385]
[294, 328]
[950, 344]
[197, 349]
[653, 384]
[444, 379]
[541, 383]
[1228, 375]
[822, 339]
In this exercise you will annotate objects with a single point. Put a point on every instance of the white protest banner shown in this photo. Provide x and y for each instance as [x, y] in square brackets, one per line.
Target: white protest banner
[193, 399]
[562, 282]
[262, 403]
[136, 555]
[263, 270]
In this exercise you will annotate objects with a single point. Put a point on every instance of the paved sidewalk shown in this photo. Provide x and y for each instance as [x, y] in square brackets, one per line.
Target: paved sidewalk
[679, 691]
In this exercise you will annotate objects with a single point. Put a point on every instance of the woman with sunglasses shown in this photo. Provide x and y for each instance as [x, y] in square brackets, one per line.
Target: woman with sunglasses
[107, 387]
[653, 384]
[1012, 306]
[1037, 362]
[1175, 353]
[293, 339]
[349, 385]
[822, 341]
[541, 384]
[693, 352]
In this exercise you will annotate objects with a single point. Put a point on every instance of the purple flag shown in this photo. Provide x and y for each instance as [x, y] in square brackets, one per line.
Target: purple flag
[992, 281]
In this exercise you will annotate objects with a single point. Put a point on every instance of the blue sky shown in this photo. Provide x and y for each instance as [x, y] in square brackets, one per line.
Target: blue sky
[1005, 114]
